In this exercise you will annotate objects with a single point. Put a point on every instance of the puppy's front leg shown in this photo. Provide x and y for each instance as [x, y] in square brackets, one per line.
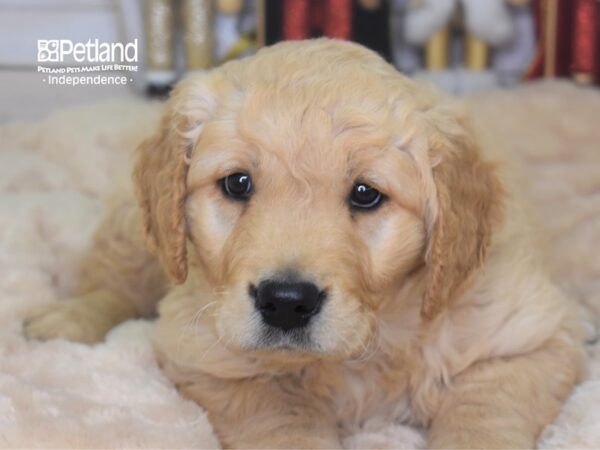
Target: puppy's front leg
[272, 412]
[505, 403]
[86, 318]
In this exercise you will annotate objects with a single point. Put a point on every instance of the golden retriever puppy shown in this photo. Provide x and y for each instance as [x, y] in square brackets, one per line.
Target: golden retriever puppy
[341, 251]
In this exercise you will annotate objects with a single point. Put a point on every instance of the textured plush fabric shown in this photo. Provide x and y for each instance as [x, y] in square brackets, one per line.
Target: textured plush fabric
[53, 176]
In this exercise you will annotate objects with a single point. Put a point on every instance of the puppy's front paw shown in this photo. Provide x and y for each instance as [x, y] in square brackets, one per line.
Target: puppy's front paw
[68, 319]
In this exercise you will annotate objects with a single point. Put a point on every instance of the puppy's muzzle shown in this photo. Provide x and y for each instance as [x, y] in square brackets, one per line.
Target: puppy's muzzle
[287, 304]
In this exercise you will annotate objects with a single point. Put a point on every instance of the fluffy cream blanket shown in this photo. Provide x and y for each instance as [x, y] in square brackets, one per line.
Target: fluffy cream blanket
[53, 175]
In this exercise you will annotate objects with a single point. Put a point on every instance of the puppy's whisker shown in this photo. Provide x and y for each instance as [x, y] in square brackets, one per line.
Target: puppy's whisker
[371, 347]
[219, 291]
[192, 323]
[343, 340]
[368, 350]
[217, 342]
[201, 311]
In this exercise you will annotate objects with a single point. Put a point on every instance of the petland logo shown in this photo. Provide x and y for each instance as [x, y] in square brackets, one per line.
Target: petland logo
[58, 50]
[100, 57]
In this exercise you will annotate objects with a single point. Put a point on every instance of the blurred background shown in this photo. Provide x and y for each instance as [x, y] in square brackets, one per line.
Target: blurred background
[461, 45]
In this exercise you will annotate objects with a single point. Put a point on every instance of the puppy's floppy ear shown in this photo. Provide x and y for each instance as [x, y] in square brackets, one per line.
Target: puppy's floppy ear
[161, 170]
[469, 207]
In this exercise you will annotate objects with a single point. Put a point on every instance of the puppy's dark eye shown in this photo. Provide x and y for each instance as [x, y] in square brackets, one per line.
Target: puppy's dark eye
[237, 186]
[364, 196]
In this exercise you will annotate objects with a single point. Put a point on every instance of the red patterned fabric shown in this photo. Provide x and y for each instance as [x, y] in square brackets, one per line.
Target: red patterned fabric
[296, 23]
[331, 18]
[585, 37]
[338, 22]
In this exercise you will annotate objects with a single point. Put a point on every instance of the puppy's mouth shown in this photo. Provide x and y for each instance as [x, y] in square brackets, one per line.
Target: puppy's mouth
[294, 340]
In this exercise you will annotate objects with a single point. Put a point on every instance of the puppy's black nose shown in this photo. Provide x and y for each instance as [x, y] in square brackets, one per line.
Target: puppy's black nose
[286, 304]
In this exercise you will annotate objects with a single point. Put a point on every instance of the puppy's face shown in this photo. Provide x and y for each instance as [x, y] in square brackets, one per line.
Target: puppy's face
[304, 191]
[301, 216]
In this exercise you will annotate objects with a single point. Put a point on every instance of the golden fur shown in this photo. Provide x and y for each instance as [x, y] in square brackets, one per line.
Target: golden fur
[438, 314]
